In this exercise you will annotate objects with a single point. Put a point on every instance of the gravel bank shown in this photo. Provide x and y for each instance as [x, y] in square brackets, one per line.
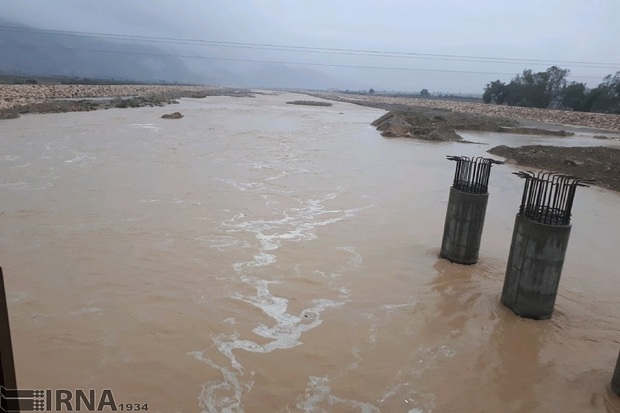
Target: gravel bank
[600, 164]
[559, 117]
[12, 96]
[22, 99]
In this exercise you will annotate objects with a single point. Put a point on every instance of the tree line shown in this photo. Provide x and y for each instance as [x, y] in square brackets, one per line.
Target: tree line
[550, 89]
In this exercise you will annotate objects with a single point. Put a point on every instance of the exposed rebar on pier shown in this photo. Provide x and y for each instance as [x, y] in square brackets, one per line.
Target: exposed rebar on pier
[539, 243]
[467, 206]
[472, 174]
[548, 197]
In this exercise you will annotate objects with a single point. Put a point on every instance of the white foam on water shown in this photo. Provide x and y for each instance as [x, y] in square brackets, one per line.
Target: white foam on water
[149, 126]
[391, 391]
[445, 352]
[15, 185]
[81, 159]
[12, 158]
[277, 176]
[284, 334]
[356, 260]
[319, 391]
[243, 186]
[423, 402]
[261, 165]
[25, 186]
[261, 259]
[268, 200]
[288, 328]
[392, 307]
[222, 396]
[284, 330]
[358, 357]
[297, 224]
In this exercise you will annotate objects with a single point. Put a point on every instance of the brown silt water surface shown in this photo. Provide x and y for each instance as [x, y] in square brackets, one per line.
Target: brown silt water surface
[255, 256]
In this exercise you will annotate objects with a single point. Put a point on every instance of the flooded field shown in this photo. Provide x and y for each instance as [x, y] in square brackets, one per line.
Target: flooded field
[255, 256]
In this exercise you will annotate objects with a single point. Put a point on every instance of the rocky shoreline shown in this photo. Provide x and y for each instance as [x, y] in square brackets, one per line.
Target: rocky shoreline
[599, 121]
[599, 164]
[21, 99]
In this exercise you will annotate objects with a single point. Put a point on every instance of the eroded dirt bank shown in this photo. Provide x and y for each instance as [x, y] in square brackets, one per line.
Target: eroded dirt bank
[441, 125]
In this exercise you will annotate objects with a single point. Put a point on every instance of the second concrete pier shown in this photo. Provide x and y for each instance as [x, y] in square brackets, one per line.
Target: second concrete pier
[534, 267]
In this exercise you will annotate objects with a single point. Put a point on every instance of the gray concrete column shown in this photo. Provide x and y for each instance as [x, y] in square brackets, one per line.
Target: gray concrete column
[615, 381]
[463, 227]
[534, 267]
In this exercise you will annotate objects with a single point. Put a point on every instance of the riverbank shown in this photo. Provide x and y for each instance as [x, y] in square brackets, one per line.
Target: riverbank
[438, 120]
[598, 164]
[599, 121]
[21, 99]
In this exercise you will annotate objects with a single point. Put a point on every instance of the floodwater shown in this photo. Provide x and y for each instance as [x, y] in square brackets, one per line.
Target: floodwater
[256, 256]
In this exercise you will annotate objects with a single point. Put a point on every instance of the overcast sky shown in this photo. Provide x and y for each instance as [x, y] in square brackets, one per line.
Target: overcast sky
[554, 31]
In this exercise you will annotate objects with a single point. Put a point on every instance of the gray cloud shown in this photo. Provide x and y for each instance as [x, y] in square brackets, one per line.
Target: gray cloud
[549, 30]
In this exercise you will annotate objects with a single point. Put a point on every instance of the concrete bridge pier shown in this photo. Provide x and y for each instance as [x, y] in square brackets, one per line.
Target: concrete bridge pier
[534, 268]
[462, 231]
[539, 243]
[467, 207]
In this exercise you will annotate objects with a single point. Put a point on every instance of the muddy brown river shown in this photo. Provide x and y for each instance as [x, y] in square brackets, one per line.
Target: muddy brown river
[256, 256]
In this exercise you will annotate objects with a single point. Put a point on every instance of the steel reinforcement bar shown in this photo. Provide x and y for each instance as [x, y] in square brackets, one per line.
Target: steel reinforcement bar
[472, 174]
[548, 196]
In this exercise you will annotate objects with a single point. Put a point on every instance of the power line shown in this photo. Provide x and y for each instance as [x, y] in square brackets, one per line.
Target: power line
[322, 50]
[414, 69]
[291, 63]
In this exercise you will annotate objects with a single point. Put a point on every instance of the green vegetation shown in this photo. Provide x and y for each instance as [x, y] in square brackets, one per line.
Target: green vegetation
[549, 89]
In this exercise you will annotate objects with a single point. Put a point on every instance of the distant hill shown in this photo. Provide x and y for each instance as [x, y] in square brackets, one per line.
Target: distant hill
[26, 51]
[35, 53]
